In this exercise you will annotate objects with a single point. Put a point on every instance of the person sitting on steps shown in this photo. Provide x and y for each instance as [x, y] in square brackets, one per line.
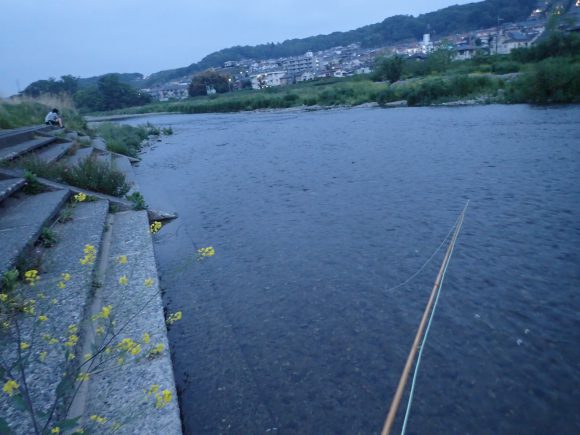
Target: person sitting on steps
[53, 118]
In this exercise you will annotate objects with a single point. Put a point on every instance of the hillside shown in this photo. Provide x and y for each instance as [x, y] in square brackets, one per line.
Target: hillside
[453, 19]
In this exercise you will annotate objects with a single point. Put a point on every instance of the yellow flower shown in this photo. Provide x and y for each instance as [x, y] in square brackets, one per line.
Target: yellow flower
[161, 400]
[101, 330]
[90, 255]
[120, 361]
[82, 377]
[54, 301]
[31, 277]
[130, 346]
[72, 340]
[80, 197]
[71, 356]
[174, 318]
[55, 429]
[73, 329]
[42, 356]
[100, 420]
[206, 252]
[10, 386]
[42, 318]
[65, 276]
[146, 338]
[3, 297]
[122, 259]
[123, 280]
[155, 227]
[24, 345]
[87, 356]
[156, 350]
[29, 308]
[149, 282]
[154, 388]
[106, 311]
[61, 285]
[52, 341]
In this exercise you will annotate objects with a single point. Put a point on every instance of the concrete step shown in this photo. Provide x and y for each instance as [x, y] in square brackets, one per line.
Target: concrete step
[119, 392]
[54, 151]
[17, 135]
[80, 155]
[17, 150]
[104, 157]
[21, 221]
[62, 306]
[9, 186]
[123, 164]
[99, 143]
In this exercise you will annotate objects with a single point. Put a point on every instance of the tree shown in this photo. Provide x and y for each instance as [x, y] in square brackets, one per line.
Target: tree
[67, 85]
[200, 83]
[109, 94]
[388, 69]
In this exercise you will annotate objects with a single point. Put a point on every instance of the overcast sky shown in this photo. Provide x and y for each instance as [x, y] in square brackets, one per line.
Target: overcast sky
[40, 39]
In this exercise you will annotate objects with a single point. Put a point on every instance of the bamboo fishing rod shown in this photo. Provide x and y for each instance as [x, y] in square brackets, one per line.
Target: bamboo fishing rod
[390, 420]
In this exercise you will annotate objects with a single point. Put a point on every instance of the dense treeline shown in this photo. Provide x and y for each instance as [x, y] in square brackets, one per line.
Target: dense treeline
[453, 19]
[108, 92]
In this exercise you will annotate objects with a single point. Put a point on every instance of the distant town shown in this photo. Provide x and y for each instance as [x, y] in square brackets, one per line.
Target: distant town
[352, 59]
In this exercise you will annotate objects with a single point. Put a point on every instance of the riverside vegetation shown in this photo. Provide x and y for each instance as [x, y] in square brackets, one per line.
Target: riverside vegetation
[548, 73]
[33, 339]
[91, 173]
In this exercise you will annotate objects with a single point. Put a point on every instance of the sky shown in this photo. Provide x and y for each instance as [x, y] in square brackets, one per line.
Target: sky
[86, 38]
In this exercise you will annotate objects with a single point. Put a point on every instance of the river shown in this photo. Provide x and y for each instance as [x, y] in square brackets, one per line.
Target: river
[297, 325]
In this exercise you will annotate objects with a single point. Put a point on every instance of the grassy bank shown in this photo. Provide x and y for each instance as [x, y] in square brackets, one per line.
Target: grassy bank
[326, 92]
[548, 73]
[22, 112]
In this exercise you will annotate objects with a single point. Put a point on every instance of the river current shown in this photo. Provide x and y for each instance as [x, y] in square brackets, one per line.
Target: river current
[297, 326]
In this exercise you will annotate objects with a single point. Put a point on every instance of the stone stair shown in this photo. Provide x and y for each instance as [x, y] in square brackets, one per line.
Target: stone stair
[116, 393]
[52, 145]
[80, 155]
[22, 218]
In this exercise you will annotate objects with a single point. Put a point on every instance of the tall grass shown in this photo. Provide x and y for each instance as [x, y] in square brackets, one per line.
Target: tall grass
[325, 92]
[90, 174]
[124, 139]
[25, 111]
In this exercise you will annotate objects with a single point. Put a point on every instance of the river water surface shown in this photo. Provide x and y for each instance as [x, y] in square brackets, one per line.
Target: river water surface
[294, 325]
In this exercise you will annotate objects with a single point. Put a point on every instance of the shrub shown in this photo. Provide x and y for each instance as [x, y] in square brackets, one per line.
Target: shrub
[98, 176]
[388, 95]
[506, 67]
[552, 81]
[138, 201]
[124, 139]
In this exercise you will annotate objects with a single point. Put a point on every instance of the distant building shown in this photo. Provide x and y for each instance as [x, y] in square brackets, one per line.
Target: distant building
[306, 75]
[171, 91]
[268, 79]
[465, 52]
[295, 66]
[512, 40]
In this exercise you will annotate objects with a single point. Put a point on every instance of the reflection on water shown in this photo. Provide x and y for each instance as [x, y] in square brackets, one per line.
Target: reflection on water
[291, 327]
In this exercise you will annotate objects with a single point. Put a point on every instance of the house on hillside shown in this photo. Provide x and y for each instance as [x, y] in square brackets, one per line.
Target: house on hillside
[268, 79]
[171, 91]
[465, 52]
[306, 75]
[509, 41]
